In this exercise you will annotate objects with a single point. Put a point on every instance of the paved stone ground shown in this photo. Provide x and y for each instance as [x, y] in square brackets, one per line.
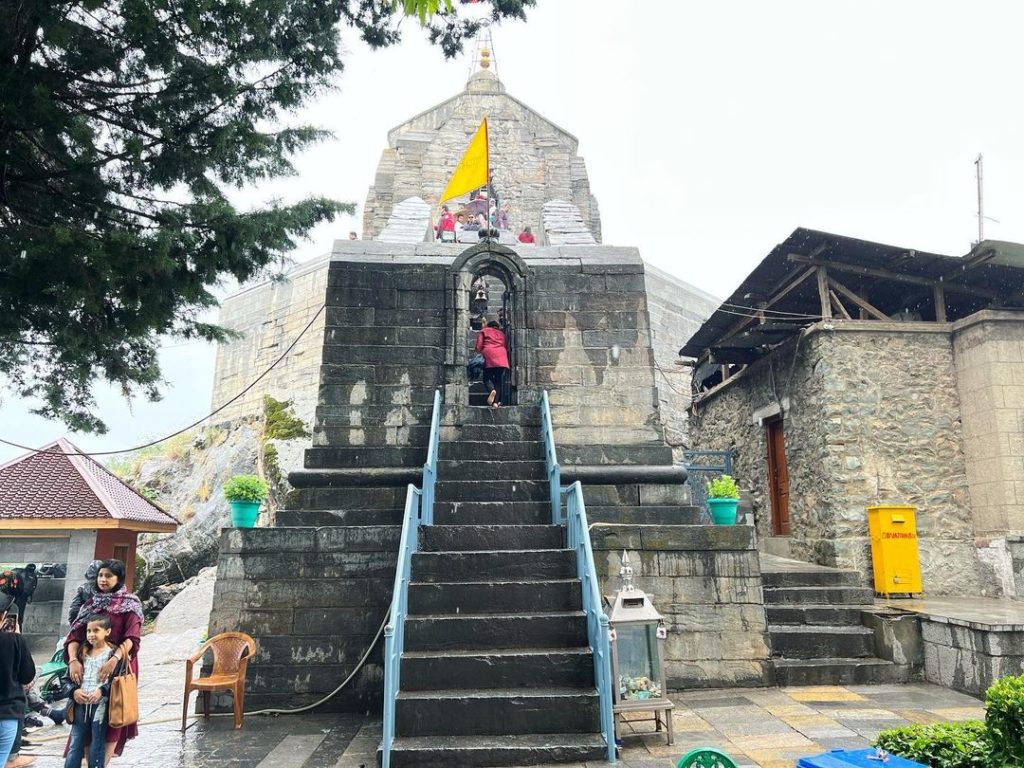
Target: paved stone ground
[768, 728]
[764, 727]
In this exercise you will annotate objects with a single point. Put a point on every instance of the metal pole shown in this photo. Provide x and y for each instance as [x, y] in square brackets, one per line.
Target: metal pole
[981, 199]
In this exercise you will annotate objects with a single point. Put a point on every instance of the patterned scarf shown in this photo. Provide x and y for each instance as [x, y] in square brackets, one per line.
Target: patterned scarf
[118, 601]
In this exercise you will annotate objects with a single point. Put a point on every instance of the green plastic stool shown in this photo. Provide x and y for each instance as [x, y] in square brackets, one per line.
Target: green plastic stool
[706, 757]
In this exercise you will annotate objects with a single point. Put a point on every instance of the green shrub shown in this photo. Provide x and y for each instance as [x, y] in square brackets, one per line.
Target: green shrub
[723, 487]
[245, 488]
[941, 745]
[1004, 718]
[281, 422]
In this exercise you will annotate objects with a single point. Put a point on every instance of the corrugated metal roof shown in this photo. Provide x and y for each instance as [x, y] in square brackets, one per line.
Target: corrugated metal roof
[55, 483]
[790, 258]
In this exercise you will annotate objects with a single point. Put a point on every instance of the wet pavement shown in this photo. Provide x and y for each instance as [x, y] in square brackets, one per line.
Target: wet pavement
[764, 727]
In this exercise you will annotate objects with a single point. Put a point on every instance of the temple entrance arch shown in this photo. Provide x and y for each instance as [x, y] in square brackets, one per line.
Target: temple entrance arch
[507, 278]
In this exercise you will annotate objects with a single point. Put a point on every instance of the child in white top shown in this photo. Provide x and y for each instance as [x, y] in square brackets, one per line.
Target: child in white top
[90, 698]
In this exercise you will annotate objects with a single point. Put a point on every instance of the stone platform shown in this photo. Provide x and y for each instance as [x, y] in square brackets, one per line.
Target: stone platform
[969, 642]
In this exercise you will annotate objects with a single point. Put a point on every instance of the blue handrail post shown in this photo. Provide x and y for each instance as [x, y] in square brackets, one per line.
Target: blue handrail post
[577, 536]
[554, 471]
[419, 510]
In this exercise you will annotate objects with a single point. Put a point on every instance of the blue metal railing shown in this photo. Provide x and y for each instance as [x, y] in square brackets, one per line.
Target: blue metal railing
[553, 470]
[419, 510]
[701, 466]
[578, 539]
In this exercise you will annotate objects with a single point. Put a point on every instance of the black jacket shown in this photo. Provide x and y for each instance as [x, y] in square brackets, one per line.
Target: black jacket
[16, 671]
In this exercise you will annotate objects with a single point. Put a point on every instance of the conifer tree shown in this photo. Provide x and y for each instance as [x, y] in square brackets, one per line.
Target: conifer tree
[122, 125]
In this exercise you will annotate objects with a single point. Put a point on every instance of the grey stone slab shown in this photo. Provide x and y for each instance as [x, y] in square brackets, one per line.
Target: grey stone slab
[292, 752]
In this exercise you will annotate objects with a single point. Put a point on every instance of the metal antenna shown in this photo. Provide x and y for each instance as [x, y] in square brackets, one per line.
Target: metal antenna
[981, 199]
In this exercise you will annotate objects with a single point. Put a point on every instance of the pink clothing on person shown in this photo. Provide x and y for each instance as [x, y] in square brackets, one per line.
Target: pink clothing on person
[490, 342]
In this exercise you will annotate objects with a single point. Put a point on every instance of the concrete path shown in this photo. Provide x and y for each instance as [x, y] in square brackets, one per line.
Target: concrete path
[765, 727]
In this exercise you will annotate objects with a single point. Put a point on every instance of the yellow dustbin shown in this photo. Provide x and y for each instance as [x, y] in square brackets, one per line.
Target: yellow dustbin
[894, 553]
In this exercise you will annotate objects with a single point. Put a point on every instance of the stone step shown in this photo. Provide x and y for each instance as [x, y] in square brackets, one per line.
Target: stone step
[497, 711]
[823, 578]
[817, 642]
[492, 512]
[492, 450]
[654, 515]
[357, 497]
[448, 538]
[491, 490]
[514, 668]
[563, 629]
[491, 433]
[838, 671]
[818, 595]
[319, 518]
[497, 750]
[834, 615]
[476, 597]
[339, 457]
[486, 468]
[461, 415]
[500, 565]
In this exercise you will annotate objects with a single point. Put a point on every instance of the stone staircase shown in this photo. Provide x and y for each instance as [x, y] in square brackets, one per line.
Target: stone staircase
[496, 669]
[814, 622]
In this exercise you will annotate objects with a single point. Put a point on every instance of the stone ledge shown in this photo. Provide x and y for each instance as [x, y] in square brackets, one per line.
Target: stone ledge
[611, 536]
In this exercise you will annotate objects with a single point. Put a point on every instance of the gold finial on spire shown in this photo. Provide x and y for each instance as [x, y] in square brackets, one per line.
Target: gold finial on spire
[485, 58]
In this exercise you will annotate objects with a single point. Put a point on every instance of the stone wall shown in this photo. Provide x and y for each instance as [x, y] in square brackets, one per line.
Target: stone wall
[677, 310]
[989, 354]
[269, 316]
[969, 657]
[532, 159]
[706, 582]
[46, 615]
[871, 417]
[314, 599]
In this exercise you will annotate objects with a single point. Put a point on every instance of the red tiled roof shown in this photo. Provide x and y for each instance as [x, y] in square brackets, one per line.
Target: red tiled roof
[49, 485]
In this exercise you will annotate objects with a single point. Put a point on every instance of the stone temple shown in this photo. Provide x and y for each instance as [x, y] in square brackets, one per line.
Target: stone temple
[497, 668]
[495, 602]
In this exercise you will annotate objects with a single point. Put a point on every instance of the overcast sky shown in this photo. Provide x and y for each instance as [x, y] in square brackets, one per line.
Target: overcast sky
[710, 130]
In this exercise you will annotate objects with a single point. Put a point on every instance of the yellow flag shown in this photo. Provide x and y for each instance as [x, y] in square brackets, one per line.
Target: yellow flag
[474, 168]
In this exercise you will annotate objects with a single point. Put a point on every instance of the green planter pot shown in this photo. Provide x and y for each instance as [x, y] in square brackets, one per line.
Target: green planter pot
[723, 511]
[244, 513]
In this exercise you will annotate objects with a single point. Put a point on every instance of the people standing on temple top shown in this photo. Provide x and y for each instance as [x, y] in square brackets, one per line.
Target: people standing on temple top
[460, 224]
[503, 215]
[526, 236]
[446, 224]
[113, 599]
[490, 343]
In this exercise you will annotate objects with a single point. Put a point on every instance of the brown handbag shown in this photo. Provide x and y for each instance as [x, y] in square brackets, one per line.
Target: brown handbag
[123, 705]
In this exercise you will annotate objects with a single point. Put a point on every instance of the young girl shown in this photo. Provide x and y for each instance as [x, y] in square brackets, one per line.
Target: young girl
[90, 697]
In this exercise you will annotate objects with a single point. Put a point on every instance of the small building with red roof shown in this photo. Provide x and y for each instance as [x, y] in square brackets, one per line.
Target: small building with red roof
[61, 509]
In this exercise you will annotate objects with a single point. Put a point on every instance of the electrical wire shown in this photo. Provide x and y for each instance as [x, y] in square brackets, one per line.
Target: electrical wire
[668, 381]
[183, 429]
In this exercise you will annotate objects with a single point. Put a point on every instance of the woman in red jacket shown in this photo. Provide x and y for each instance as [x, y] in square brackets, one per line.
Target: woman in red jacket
[490, 343]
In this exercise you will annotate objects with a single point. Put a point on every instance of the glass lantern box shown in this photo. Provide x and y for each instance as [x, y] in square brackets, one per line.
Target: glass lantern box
[637, 634]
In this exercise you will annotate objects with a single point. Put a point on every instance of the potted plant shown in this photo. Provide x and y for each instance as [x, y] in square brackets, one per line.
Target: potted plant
[723, 499]
[245, 493]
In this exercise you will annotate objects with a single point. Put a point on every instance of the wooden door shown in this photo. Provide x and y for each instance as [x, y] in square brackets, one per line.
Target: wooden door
[778, 478]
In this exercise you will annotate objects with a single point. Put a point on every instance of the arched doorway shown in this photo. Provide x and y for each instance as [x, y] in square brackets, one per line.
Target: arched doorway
[497, 273]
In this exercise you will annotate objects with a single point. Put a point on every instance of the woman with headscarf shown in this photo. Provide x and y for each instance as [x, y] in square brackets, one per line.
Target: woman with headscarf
[125, 611]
